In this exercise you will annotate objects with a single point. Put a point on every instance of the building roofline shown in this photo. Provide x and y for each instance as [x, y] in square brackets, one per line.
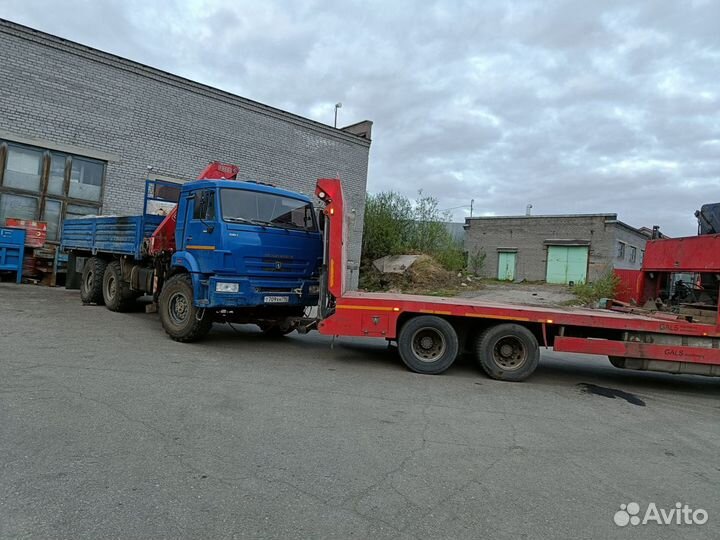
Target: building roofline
[636, 230]
[544, 216]
[609, 218]
[113, 60]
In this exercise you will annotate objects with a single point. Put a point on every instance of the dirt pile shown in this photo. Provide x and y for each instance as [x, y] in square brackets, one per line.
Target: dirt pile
[425, 276]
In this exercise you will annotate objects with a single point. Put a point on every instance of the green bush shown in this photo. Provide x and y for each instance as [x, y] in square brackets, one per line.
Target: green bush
[476, 261]
[394, 225]
[604, 287]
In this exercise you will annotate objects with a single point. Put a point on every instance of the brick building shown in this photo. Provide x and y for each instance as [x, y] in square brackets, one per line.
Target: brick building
[80, 127]
[556, 249]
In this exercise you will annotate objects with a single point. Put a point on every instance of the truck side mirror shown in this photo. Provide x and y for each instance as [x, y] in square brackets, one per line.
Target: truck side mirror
[321, 219]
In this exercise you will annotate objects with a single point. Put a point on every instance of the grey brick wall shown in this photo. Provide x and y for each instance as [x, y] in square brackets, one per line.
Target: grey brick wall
[53, 90]
[528, 236]
[631, 239]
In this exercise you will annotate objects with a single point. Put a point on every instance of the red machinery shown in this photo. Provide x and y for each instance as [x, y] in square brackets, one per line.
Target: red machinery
[163, 239]
[430, 331]
[678, 272]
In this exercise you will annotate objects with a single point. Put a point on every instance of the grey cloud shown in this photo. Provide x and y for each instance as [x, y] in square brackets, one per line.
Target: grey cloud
[573, 106]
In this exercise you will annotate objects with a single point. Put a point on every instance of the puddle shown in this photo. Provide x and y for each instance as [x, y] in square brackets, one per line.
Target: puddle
[611, 393]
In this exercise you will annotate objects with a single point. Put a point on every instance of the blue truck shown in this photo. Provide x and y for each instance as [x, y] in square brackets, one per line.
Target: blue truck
[210, 250]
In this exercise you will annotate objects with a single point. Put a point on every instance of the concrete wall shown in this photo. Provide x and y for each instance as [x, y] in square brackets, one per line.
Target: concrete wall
[56, 92]
[630, 238]
[528, 235]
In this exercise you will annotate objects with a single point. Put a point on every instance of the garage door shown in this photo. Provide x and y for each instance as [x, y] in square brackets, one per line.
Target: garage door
[566, 264]
[506, 266]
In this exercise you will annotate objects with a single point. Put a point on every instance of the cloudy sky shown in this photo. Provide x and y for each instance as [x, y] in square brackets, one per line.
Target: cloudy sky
[572, 106]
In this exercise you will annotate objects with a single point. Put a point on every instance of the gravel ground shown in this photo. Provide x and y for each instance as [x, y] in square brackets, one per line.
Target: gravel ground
[522, 293]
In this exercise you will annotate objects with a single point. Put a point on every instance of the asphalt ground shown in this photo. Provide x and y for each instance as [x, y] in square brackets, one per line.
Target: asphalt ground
[108, 429]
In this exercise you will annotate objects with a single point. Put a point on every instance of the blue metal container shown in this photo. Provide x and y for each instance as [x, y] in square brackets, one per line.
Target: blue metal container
[12, 250]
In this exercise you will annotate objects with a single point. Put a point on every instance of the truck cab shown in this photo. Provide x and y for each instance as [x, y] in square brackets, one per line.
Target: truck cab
[247, 244]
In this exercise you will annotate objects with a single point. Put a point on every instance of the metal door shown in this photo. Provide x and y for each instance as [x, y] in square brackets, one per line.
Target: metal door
[566, 264]
[506, 266]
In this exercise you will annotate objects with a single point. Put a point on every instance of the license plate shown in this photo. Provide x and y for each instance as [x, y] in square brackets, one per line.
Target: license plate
[277, 299]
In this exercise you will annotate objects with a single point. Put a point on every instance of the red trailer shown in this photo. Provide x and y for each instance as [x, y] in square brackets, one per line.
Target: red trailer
[430, 331]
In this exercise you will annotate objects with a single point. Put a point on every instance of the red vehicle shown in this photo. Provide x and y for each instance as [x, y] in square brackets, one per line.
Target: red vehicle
[430, 332]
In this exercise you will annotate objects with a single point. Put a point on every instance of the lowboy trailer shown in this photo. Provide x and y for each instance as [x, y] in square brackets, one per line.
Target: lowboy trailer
[430, 331]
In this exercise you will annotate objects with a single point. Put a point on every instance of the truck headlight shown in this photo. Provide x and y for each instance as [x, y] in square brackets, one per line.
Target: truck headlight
[313, 289]
[227, 287]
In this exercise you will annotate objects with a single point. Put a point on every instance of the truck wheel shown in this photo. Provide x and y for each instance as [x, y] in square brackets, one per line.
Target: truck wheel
[178, 315]
[507, 352]
[116, 292]
[91, 284]
[428, 344]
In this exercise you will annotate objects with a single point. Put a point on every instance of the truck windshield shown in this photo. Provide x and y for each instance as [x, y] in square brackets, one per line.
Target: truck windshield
[242, 206]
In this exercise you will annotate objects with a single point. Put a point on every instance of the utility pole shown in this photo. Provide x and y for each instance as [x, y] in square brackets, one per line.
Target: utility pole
[472, 201]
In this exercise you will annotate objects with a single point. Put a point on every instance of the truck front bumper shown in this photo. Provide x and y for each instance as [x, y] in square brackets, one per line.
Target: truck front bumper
[229, 292]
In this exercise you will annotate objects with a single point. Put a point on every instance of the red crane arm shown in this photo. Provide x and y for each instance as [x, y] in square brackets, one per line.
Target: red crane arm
[163, 239]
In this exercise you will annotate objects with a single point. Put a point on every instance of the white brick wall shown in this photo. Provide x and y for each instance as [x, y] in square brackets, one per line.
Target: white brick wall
[58, 91]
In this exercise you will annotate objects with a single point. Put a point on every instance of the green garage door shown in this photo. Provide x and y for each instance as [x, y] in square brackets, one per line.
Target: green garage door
[506, 266]
[566, 264]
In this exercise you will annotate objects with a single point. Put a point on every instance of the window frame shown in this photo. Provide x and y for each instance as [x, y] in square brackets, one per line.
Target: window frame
[42, 194]
[620, 251]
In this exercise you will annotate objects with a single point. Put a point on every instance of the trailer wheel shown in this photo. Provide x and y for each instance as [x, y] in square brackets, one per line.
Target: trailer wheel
[181, 320]
[116, 292]
[507, 352]
[91, 284]
[428, 344]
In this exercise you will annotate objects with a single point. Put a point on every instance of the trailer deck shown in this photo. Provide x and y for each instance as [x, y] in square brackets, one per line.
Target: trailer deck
[550, 315]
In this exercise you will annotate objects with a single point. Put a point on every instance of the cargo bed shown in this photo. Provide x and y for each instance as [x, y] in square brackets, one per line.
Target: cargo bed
[121, 235]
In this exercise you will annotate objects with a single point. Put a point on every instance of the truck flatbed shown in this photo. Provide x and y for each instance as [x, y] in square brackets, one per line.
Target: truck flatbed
[555, 315]
[120, 235]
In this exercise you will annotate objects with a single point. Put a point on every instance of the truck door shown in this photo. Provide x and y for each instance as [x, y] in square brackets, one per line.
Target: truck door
[201, 235]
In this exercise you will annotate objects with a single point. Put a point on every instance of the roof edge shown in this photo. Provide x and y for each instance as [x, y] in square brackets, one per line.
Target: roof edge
[543, 216]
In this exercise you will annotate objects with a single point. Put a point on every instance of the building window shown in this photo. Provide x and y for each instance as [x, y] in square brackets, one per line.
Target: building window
[621, 250]
[43, 185]
[23, 168]
[633, 254]
[86, 179]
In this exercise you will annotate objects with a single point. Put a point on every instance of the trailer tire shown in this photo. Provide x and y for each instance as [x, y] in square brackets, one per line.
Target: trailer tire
[181, 320]
[91, 283]
[116, 292]
[508, 352]
[428, 344]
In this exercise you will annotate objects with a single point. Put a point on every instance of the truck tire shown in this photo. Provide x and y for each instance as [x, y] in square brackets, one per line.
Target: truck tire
[181, 320]
[508, 352]
[428, 344]
[91, 283]
[116, 292]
